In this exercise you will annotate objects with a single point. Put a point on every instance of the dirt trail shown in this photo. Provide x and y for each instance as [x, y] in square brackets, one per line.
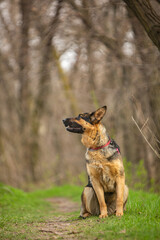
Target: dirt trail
[64, 205]
[61, 227]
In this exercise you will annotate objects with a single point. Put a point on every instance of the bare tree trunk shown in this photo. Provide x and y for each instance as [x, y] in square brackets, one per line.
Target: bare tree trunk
[147, 17]
[47, 56]
[65, 82]
[43, 88]
[150, 98]
[24, 91]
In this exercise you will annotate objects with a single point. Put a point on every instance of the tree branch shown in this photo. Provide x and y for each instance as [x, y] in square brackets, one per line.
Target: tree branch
[140, 129]
[109, 42]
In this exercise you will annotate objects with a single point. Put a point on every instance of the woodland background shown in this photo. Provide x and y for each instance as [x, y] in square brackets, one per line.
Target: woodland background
[62, 57]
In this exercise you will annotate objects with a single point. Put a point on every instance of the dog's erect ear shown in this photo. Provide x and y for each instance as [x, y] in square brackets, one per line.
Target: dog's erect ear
[97, 116]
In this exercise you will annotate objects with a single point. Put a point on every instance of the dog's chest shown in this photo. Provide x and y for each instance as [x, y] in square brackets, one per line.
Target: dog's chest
[107, 181]
[102, 173]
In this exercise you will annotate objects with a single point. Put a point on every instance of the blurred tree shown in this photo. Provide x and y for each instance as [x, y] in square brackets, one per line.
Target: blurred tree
[61, 56]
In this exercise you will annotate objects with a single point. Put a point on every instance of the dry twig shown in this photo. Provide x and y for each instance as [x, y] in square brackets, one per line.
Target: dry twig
[140, 129]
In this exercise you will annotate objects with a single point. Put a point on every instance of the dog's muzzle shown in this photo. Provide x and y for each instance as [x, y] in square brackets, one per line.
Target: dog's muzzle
[72, 126]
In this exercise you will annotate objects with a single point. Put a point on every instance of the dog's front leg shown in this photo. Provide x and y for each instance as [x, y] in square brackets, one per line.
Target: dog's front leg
[120, 182]
[100, 195]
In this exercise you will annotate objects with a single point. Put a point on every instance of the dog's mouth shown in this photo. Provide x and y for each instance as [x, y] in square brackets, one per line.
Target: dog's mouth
[72, 126]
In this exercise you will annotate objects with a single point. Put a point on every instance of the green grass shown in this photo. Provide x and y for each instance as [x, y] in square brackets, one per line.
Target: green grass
[140, 221]
[20, 210]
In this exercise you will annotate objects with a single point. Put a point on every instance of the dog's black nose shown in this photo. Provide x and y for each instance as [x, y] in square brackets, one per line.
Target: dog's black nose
[66, 121]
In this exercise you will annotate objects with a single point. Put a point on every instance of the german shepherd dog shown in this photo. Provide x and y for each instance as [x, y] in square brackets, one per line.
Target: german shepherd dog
[106, 192]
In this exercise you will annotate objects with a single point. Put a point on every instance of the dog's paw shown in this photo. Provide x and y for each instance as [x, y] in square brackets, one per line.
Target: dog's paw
[119, 214]
[103, 215]
[85, 215]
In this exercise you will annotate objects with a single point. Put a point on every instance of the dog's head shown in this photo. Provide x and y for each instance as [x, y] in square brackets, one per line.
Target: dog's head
[85, 121]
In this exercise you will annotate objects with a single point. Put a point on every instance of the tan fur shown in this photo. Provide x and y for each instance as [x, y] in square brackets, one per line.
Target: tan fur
[94, 135]
[92, 203]
[105, 176]
[109, 193]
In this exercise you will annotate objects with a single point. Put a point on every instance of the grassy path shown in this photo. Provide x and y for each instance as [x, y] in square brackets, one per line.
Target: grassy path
[61, 226]
[53, 214]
